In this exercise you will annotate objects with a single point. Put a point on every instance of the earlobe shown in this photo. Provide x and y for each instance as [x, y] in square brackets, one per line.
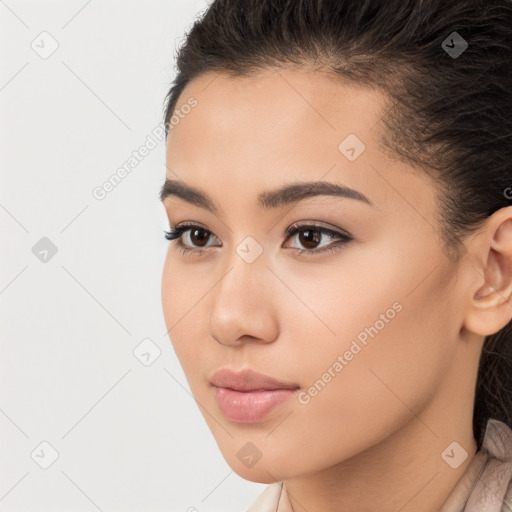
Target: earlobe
[490, 306]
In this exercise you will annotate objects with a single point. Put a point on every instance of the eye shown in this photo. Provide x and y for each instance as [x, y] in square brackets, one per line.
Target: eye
[197, 234]
[310, 236]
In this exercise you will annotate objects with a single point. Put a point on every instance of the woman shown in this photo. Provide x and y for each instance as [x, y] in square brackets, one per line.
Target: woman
[338, 288]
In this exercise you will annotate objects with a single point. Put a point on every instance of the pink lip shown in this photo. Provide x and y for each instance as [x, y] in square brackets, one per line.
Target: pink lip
[248, 396]
[247, 380]
[249, 406]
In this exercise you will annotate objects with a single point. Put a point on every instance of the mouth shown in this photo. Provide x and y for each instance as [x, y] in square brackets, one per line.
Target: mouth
[248, 396]
[250, 406]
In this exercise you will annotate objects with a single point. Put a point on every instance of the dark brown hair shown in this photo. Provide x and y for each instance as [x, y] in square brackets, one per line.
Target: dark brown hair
[449, 111]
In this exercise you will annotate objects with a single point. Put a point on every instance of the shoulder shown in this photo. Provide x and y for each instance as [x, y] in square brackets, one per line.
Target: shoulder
[492, 490]
[507, 500]
[267, 501]
[498, 442]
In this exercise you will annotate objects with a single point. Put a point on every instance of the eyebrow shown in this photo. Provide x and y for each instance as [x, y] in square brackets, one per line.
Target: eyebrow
[288, 194]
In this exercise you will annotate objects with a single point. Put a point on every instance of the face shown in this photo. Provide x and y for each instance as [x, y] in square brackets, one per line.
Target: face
[353, 316]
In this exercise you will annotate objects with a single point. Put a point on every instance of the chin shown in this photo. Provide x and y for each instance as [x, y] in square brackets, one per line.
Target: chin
[258, 475]
[262, 471]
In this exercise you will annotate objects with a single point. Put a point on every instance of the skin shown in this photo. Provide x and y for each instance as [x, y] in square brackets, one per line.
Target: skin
[376, 432]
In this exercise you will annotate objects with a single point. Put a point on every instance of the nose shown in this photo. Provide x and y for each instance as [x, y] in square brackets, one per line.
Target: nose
[244, 307]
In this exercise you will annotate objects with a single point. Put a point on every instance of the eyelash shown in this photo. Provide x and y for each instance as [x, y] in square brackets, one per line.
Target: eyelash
[177, 232]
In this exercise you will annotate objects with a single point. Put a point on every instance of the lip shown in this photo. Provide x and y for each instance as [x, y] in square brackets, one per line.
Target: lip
[248, 396]
[247, 380]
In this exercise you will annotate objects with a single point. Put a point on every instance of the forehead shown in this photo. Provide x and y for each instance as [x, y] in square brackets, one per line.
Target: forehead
[259, 132]
[282, 83]
[276, 106]
[270, 116]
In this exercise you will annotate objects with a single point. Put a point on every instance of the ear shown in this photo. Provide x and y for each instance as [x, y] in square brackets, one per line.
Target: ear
[489, 263]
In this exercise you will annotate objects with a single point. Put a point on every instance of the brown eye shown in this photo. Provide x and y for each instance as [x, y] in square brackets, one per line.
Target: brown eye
[199, 236]
[309, 238]
[194, 238]
[190, 237]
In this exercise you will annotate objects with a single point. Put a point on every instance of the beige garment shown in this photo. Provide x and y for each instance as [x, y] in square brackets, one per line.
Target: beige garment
[485, 486]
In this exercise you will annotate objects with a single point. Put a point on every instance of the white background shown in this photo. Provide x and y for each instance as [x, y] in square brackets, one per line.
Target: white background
[129, 437]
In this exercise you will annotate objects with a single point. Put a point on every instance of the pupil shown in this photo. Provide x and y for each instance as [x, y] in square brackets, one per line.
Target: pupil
[310, 238]
[193, 234]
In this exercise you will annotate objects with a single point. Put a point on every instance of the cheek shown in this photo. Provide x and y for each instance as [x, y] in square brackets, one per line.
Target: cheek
[180, 301]
[182, 289]
[171, 294]
[365, 359]
[396, 372]
[381, 311]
